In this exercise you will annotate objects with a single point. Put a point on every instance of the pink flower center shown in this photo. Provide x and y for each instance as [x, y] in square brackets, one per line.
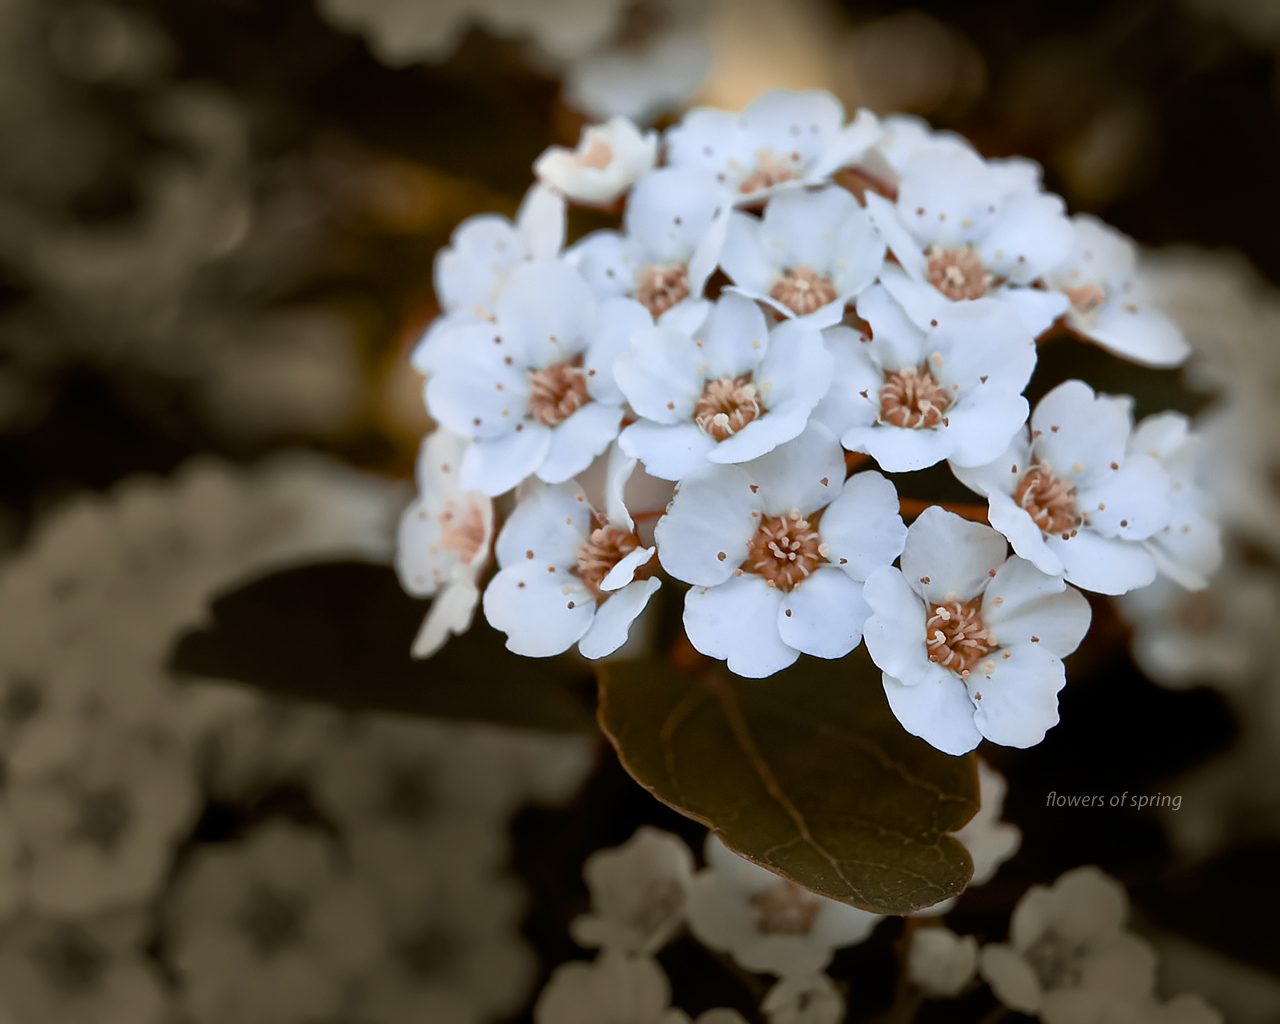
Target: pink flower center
[785, 909]
[1084, 299]
[557, 392]
[661, 286]
[727, 405]
[771, 170]
[957, 637]
[803, 290]
[598, 554]
[1049, 500]
[913, 399]
[598, 156]
[463, 535]
[786, 549]
[958, 273]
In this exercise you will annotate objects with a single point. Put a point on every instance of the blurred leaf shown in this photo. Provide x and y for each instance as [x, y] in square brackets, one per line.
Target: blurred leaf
[806, 772]
[340, 632]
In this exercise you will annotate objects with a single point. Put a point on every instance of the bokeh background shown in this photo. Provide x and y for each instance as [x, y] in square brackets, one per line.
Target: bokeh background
[217, 225]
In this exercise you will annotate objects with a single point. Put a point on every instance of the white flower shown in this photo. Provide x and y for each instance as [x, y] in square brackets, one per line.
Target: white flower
[1189, 548]
[615, 987]
[444, 542]
[268, 929]
[941, 963]
[1219, 635]
[766, 922]
[989, 840]
[912, 397]
[1069, 959]
[813, 999]
[1108, 303]
[729, 393]
[568, 574]
[80, 970]
[971, 643]
[102, 829]
[609, 160]
[675, 225]
[777, 550]
[963, 230]
[638, 893]
[810, 254]
[1071, 496]
[782, 140]
[527, 388]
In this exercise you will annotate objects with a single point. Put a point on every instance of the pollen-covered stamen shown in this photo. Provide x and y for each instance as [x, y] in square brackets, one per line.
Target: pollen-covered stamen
[1049, 500]
[957, 636]
[659, 286]
[771, 170]
[727, 405]
[462, 533]
[786, 549]
[786, 909]
[598, 554]
[803, 290]
[958, 273]
[912, 399]
[1085, 299]
[557, 392]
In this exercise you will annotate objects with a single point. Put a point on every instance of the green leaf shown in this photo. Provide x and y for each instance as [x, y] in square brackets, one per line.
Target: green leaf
[340, 632]
[807, 773]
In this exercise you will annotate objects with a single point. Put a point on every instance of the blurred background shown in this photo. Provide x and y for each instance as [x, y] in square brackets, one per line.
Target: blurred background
[217, 226]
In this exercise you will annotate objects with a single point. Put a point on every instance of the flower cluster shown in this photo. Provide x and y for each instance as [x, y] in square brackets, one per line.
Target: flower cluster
[786, 298]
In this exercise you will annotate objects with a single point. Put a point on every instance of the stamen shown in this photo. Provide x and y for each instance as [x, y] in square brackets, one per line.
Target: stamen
[785, 550]
[659, 286]
[958, 273]
[598, 554]
[1085, 299]
[785, 909]
[463, 537]
[957, 636]
[771, 170]
[1049, 500]
[803, 290]
[912, 399]
[727, 405]
[557, 392]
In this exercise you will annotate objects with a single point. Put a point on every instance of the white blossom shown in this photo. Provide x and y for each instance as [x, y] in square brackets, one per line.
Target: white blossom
[782, 140]
[1189, 548]
[269, 928]
[810, 254]
[1068, 959]
[444, 542]
[989, 840]
[528, 389]
[812, 999]
[963, 230]
[1071, 495]
[615, 987]
[777, 550]
[970, 643]
[1108, 303]
[765, 922]
[673, 230]
[639, 891]
[941, 963]
[911, 397]
[609, 160]
[568, 574]
[728, 393]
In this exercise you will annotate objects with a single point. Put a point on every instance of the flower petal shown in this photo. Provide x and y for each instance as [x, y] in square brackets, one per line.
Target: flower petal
[804, 473]
[895, 631]
[1071, 427]
[1132, 502]
[554, 308]
[1020, 529]
[737, 621]
[899, 449]
[613, 618]
[705, 533]
[1010, 977]
[823, 617]
[1017, 703]
[1104, 565]
[661, 374]
[670, 211]
[450, 613]
[863, 526]
[734, 337]
[546, 528]
[542, 613]
[946, 555]
[619, 320]
[496, 465]
[938, 710]
[578, 440]
[668, 452]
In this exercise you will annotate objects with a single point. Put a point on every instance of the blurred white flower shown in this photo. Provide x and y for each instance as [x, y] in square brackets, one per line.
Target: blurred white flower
[777, 550]
[82, 970]
[444, 542]
[803, 999]
[609, 160]
[970, 642]
[768, 923]
[639, 892]
[268, 929]
[941, 963]
[1068, 959]
[101, 830]
[1074, 497]
[989, 840]
[1108, 303]
[615, 987]
[911, 397]
[782, 140]
[810, 254]
[568, 574]
[727, 392]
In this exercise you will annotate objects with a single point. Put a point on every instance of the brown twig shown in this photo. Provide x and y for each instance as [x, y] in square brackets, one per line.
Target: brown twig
[975, 513]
